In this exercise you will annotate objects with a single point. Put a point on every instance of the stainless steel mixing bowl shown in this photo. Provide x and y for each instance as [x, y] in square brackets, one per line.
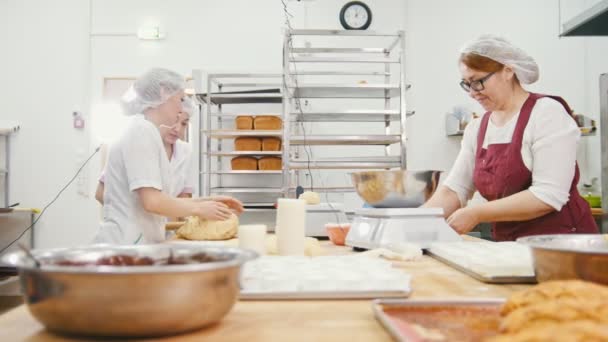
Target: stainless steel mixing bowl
[569, 256]
[129, 301]
[395, 188]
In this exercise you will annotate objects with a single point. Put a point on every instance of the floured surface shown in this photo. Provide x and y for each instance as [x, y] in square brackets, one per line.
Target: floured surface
[488, 259]
[341, 275]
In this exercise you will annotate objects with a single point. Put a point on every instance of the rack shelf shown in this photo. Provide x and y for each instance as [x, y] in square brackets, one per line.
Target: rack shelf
[345, 139]
[379, 91]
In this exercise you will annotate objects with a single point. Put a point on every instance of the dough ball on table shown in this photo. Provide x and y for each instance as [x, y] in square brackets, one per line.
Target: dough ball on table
[310, 197]
[196, 228]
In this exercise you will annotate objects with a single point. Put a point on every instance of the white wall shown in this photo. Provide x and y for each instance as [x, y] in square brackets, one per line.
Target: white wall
[44, 68]
[49, 76]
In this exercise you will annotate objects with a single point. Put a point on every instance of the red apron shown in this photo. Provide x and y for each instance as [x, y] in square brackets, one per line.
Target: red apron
[501, 172]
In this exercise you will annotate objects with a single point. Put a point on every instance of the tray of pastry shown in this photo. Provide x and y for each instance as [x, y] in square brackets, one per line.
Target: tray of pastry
[486, 261]
[439, 320]
[322, 277]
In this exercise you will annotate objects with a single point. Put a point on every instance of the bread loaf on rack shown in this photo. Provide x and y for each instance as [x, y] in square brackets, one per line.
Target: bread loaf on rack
[244, 163]
[271, 144]
[265, 122]
[243, 122]
[269, 163]
[247, 144]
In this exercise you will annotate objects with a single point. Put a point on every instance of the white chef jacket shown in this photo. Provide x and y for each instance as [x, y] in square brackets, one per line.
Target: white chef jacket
[183, 169]
[548, 150]
[136, 160]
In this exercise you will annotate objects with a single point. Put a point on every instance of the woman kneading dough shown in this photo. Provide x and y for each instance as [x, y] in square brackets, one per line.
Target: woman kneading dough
[138, 183]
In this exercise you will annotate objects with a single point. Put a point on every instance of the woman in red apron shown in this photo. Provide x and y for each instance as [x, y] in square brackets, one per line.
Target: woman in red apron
[528, 180]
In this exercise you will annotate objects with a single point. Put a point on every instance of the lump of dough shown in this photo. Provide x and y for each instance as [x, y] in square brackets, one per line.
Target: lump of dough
[310, 197]
[196, 228]
[311, 246]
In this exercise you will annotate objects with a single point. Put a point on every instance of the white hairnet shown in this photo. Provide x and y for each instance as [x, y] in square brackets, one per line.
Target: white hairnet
[502, 51]
[152, 89]
[188, 106]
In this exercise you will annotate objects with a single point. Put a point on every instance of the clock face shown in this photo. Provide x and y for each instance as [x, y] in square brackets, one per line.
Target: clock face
[355, 15]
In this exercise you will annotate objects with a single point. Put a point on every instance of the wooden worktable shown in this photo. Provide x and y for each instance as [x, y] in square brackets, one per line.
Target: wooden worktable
[329, 320]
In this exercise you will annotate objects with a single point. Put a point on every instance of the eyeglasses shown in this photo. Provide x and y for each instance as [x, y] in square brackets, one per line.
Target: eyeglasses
[475, 85]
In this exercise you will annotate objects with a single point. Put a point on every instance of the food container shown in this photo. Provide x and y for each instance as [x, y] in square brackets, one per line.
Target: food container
[71, 293]
[569, 256]
[395, 188]
[337, 232]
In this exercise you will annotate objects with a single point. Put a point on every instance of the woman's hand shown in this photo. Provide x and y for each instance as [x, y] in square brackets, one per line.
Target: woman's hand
[231, 202]
[463, 220]
[213, 210]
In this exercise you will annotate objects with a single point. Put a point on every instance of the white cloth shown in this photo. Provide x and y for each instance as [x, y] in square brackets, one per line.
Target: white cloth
[183, 169]
[136, 160]
[548, 150]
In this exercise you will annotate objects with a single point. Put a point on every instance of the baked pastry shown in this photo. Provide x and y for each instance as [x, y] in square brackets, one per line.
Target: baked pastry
[555, 312]
[247, 144]
[244, 163]
[196, 228]
[579, 331]
[270, 163]
[266, 122]
[244, 122]
[271, 144]
[552, 290]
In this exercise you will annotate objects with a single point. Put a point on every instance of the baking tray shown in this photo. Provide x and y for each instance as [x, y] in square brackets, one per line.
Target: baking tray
[244, 295]
[485, 278]
[454, 320]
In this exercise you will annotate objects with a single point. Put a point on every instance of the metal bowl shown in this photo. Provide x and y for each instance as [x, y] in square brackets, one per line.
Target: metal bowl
[395, 188]
[129, 301]
[569, 256]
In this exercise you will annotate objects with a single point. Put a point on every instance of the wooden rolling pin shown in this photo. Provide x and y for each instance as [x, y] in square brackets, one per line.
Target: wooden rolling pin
[174, 225]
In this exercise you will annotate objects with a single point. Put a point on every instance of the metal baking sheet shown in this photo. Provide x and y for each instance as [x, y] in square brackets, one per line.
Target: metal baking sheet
[380, 306]
[484, 278]
[323, 295]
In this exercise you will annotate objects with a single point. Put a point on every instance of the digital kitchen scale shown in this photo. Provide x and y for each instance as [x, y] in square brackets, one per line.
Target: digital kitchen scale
[379, 228]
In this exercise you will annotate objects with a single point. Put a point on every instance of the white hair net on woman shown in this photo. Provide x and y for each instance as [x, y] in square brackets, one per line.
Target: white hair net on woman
[502, 51]
[189, 106]
[152, 89]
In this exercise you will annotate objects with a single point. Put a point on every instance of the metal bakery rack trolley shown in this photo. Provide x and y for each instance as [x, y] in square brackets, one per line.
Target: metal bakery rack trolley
[347, 83]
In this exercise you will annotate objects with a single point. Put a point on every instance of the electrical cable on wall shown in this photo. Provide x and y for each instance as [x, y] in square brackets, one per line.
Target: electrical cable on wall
[300, 118]
[53, 201]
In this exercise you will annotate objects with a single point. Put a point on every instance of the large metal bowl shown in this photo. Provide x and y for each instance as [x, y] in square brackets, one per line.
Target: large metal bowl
[569, 256]
[130, 301]
[395, 188]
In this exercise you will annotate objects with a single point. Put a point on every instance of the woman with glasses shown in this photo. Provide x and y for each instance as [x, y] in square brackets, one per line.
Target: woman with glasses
[520, 156]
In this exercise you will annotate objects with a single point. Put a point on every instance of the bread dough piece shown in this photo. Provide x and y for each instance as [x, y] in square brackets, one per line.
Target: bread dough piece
[264, 122]
[310, 197]
[579, 331]
[396, 252]
[552, 290]
[244, 163]
[247, 144]
[244, 122]
[271, 144]
[196, 228]
[270, 164]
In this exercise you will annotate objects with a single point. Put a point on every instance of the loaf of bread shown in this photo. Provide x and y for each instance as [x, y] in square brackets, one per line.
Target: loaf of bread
[269, 163]
[244, 122]
[271, 144]
[247, 144]
[266, 122]
[244, 163]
